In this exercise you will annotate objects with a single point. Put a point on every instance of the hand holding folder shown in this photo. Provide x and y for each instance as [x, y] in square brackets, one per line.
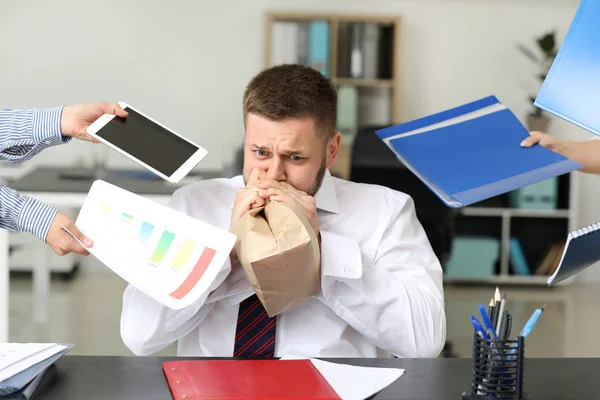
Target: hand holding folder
[472, 152]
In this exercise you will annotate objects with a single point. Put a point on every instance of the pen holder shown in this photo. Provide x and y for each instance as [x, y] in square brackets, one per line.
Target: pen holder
[497, 370]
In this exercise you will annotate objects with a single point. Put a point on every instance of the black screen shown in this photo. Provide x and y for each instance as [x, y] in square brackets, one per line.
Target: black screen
[148, 142]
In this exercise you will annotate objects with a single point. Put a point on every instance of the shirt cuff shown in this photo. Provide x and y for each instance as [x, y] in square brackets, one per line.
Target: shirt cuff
[340, 257]
[36, 217]
[46, 127]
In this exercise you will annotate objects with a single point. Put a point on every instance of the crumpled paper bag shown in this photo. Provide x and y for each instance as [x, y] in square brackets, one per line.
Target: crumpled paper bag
[279, 251]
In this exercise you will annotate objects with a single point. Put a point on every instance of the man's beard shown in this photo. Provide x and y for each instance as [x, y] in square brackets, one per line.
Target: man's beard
[316, 184]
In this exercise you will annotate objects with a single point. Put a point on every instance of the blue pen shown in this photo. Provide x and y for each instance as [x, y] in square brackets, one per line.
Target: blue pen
[478, 328]
[486, 321]
[532, 320]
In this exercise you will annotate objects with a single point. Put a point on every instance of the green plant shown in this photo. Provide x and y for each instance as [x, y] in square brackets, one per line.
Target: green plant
[543, 58]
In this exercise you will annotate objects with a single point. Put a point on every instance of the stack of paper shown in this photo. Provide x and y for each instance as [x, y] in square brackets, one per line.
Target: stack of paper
[22, 363]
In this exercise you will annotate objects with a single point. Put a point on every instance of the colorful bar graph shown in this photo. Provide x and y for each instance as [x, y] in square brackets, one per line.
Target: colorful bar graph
[184, 253]
[194, 277]
[162, 247]
[146, 231]
[126, 217]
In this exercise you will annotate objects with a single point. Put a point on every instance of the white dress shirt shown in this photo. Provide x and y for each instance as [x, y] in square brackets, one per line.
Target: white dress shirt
[381, 283]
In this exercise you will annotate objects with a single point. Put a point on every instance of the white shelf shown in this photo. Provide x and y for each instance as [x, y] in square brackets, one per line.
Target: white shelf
[513, 212]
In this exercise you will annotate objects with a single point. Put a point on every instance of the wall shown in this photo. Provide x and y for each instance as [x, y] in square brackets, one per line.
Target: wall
[186, 62]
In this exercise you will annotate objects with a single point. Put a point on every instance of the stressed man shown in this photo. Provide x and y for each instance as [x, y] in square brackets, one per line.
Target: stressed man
[381, 284]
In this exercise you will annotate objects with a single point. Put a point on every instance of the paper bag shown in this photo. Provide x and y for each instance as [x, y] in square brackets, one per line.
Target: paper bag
[279, 252]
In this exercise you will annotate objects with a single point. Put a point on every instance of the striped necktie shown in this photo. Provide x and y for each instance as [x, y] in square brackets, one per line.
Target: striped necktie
[255, 332]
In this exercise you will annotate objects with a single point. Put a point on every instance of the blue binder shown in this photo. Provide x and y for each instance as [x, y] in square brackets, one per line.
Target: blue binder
[582, 250]
[571, 90]
[318, 46]
[472, 152]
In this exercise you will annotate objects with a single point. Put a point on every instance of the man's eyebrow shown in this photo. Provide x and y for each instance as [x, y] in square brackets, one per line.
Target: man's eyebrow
[286, 152]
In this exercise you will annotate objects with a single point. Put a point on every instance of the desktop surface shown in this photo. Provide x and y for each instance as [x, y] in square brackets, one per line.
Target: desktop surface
[112, 377]
[80, 180]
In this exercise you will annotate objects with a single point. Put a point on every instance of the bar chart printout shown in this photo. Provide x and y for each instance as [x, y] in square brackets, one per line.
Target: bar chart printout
[166, 254]
[145, 231]
[163, 246]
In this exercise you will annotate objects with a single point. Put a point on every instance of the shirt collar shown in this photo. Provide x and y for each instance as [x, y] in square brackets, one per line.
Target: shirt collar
[326, 197]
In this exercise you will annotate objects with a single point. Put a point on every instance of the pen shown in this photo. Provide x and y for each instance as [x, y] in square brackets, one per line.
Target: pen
[532, 320]
[500, 314]
[504, 326]
[509, 325]
[487, 323]
[478, 328]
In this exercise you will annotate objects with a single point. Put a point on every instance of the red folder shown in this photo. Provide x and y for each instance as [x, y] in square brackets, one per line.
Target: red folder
[246, 379]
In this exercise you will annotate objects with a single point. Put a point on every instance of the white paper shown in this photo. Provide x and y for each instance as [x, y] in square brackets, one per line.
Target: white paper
[353, 382]
[166, 254]
[17, 357]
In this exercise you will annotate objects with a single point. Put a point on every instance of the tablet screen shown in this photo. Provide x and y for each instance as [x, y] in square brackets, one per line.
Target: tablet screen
[148, 142]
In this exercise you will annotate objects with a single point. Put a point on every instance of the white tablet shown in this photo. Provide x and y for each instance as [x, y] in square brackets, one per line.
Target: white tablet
[149, 143]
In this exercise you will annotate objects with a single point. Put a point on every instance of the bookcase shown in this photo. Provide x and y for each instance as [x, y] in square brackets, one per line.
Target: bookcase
[360, 53]
[530, 235]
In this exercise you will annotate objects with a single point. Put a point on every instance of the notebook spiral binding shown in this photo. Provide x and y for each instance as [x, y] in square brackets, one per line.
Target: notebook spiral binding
[585, 230]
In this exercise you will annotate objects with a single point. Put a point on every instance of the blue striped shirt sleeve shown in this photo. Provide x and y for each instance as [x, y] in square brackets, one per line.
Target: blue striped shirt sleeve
[23, 134]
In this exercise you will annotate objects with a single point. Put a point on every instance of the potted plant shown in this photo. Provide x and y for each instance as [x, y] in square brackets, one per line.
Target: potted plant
[537, 120]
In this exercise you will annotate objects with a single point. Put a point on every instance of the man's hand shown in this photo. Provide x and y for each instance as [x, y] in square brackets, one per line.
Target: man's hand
[544, 139]
[247, 198]
[283, 192]
[61, 241]
[77, 117]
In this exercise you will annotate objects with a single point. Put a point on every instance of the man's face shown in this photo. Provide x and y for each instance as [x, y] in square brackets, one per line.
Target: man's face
[290, 151]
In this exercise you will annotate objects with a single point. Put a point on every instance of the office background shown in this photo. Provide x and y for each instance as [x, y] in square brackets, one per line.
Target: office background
[186, 63]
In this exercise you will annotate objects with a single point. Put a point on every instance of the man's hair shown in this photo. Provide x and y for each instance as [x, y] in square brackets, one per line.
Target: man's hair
[293, 91]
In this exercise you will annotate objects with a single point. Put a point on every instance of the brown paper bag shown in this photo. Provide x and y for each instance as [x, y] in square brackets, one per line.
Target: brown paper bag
[279, 252]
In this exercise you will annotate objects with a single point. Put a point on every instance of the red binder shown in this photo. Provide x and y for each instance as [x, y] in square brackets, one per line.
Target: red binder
[246, 379]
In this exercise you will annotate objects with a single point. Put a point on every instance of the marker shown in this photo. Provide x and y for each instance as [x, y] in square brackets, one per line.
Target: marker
[532, 320]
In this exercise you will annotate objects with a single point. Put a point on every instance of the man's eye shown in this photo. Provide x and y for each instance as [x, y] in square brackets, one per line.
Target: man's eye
[261, 153]
[296, 158]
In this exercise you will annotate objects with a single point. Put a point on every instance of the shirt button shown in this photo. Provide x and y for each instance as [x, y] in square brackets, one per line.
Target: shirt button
[48, 142]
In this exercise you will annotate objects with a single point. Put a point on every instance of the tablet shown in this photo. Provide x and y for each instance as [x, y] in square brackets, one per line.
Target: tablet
[148, 142]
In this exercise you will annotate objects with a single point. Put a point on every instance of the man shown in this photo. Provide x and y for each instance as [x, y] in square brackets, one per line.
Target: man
[381, 282]
[586, 153]
[23, 134]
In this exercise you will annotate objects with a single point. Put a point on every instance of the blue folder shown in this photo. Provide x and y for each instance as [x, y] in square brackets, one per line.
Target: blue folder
[571, 90]
[472, 152]
[582, 250]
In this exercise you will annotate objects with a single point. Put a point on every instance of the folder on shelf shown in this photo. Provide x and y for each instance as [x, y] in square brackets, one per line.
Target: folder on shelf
[472, 152]
[570, 90]
[582, 250]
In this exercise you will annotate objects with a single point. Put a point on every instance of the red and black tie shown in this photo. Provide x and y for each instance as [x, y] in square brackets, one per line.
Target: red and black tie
[255, 332]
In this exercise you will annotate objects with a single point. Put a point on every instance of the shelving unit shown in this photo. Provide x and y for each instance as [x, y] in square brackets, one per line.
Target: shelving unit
[536, 230]
[368, 85]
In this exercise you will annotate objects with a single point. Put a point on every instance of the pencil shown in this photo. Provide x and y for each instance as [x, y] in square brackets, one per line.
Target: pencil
[491, 308]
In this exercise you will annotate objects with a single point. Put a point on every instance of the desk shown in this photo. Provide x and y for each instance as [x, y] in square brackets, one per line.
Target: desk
[67, 188]
[94, 377]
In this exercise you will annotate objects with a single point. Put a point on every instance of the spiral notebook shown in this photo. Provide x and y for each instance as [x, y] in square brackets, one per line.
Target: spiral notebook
[581, 251]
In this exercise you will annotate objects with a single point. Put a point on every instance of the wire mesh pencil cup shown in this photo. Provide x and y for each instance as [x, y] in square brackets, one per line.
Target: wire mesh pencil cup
[497, 370]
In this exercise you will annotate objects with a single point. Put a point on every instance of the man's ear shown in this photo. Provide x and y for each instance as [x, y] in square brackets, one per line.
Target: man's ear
[332, 149]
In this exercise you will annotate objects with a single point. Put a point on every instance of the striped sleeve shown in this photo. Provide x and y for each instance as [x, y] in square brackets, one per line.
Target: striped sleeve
[23, 134]
[26, 132]
[26, 214]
